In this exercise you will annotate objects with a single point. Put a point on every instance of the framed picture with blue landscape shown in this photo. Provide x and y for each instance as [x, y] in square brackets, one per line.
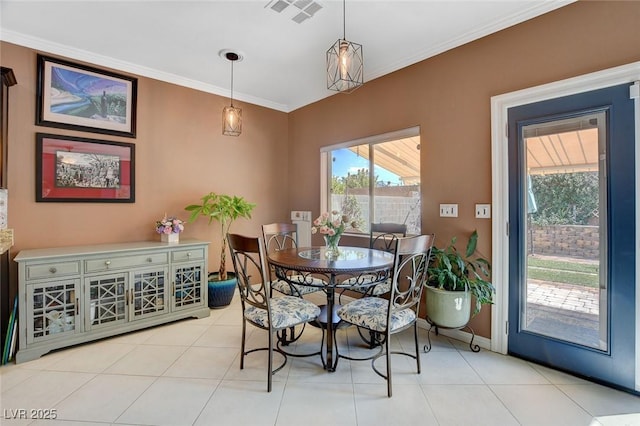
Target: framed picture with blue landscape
[79, 97]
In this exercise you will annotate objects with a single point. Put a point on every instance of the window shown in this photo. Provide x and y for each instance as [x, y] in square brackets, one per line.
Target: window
[375, 179]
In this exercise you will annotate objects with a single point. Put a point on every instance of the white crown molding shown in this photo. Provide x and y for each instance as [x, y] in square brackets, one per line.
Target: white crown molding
[49, 47]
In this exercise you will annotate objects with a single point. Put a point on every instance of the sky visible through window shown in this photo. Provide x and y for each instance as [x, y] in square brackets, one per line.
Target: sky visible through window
[346, 161]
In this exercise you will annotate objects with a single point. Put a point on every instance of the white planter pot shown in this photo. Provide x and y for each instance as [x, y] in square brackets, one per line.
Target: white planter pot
[449, 309]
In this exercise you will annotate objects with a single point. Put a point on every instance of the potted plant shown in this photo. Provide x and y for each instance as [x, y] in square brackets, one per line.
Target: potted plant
[452, 279]
[225, 209]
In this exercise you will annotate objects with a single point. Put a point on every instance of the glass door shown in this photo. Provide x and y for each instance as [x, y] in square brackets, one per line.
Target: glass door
[572, 234]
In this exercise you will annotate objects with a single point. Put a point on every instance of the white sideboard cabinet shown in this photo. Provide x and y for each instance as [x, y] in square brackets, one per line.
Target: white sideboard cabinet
[71, 295]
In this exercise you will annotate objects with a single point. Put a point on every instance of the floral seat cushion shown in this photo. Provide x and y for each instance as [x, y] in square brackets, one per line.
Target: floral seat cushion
[371, 313]
[285, 288]
[286, 311]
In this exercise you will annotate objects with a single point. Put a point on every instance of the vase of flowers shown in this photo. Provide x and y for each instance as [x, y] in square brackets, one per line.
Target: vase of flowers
[169, 229]
[331, 226]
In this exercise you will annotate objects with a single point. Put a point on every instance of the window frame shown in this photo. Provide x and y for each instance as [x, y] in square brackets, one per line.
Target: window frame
[371, 141]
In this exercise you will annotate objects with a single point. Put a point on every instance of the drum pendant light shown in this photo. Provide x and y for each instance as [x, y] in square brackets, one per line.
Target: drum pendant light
[231, 116]
[345, 63]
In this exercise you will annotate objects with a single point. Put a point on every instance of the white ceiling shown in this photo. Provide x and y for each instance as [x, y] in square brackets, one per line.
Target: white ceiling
[284, 62]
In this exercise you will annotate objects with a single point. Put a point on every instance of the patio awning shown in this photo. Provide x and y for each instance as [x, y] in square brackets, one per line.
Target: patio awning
[562, 148]
[400, 156]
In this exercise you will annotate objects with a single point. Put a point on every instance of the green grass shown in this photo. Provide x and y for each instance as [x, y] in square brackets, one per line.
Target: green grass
[563, 272]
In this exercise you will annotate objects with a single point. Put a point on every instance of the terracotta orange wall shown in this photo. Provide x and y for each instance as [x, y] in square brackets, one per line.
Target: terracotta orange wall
[449, 95]
[180, 155]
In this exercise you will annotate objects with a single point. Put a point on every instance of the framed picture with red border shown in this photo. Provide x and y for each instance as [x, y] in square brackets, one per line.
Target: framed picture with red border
[73, 169]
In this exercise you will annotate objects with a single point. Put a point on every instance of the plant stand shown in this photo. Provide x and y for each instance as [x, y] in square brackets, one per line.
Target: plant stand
[427, 347]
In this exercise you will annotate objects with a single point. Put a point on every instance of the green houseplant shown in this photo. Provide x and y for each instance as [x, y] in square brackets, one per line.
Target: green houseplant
[453, 278]
[224, 209]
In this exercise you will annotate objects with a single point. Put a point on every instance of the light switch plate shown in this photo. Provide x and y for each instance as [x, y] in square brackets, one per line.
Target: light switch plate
[448, 210]
[483, 211]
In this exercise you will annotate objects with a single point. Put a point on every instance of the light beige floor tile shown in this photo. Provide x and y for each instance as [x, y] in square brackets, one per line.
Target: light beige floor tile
[43, 390]
[178, 334]
[222, 336]
[447, 368]
[136, 337]
[203, 363]
[407, 406]
[104, 398]
[46, 360]
[170, 401]
[467, 405]
[320, 404]
[147, 360]
[438, 342]
[230, 316]
[617, 420]
[242, 403]
[495, 368]
[403, 369]
[558, 377]
[12, 374]
[65, 423]
[255, 368]
[600, 400]
[92, 357]
[311, 370]
[541, 405]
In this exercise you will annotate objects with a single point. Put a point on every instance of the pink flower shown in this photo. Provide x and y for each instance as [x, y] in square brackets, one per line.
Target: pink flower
[331, 232]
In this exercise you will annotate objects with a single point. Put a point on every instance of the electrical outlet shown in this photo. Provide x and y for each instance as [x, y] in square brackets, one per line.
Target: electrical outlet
[448, 210]
[483, 211]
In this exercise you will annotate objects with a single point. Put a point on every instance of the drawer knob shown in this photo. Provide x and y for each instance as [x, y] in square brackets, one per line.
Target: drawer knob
[188, 254]
[149, 259]
[108, 262]
[53, 270]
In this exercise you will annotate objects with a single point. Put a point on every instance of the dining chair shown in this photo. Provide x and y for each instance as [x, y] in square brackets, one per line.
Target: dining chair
[258, 307]
[280, 236]
[382, 236]
[385, 317]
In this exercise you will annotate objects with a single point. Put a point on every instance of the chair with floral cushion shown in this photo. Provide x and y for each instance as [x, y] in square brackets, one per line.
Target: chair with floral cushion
[280, 236]
[258, 307]
[382, 236]
[385, 317]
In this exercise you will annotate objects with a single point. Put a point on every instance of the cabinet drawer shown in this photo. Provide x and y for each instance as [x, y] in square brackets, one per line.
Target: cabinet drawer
[186, 255]
[48, 270]
[110, 263]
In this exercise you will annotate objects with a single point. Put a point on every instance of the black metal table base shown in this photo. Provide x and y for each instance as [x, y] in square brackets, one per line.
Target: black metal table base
[427, 347]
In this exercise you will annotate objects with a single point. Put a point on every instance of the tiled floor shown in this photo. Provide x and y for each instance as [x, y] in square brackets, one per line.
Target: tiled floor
[187, 373]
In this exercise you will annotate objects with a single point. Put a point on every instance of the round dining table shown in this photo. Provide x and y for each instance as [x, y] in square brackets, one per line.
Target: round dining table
[351, 267]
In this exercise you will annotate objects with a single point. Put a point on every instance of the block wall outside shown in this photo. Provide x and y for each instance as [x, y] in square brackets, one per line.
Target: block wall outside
[565, 240]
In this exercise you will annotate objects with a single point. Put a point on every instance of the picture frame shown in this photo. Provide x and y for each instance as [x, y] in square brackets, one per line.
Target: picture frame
[79, 97]
[74, 169]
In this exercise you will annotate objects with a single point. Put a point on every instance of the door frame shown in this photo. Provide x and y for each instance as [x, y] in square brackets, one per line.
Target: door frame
[500, 104]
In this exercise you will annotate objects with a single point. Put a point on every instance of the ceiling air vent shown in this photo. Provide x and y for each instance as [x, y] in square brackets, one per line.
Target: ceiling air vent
[303, 9]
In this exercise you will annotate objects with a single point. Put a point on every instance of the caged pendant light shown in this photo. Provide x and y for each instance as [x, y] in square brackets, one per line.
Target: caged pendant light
[231, 116]
[345, 63]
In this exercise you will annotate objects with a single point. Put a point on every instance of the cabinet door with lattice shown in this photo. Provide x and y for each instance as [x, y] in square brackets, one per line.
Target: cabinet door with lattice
[105, 301]
[188, 286]
[53, 309]
[148, 293]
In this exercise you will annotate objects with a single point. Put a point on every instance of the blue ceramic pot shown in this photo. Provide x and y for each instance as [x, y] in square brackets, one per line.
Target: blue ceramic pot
[221, 292]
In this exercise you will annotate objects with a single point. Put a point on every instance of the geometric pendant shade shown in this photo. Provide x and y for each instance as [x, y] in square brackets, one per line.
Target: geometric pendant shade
[345, 63]
[345, 66]
[231, 116]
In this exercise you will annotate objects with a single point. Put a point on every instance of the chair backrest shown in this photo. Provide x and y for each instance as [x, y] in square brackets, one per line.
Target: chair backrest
[249, 260]
[409, 274]
[383, 236]
[279, 236]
